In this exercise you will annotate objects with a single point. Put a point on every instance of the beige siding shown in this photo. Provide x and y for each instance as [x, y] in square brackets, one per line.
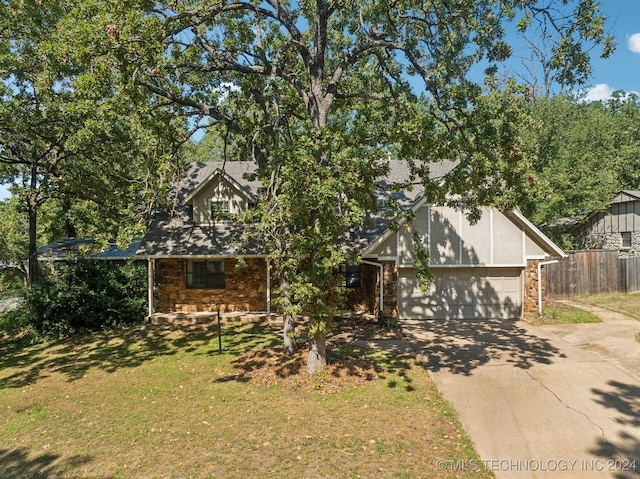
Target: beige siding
[477, 245]
[445, 239]
[508, 241]
[452, 240]
[217, 190]
[533, 249]
[388, 248]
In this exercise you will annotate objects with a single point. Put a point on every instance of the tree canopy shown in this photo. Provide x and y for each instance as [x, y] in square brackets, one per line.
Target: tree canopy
[586, 153]
[70, 135]
[319, 92]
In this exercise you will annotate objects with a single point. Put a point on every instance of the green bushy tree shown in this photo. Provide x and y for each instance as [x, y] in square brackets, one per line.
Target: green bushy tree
[87, 295]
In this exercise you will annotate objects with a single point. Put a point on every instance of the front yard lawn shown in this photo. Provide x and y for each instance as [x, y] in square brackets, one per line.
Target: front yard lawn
[559, 313]
[162, 402]
[625, 303]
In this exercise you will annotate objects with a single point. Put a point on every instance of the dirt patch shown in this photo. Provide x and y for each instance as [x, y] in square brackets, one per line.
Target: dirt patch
[347, 368]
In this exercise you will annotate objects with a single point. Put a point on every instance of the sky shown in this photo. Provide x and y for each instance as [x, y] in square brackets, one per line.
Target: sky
[621, 71]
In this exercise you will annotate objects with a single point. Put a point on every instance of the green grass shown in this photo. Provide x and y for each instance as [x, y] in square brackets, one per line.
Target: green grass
[558, 313]
[625, 303]
[638, 337]
[161, 402]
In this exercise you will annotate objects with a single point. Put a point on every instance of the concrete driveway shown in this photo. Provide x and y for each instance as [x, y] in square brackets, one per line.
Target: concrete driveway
[541, 401]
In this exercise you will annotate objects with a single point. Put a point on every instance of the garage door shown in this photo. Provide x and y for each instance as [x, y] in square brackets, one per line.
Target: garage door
[462, 293]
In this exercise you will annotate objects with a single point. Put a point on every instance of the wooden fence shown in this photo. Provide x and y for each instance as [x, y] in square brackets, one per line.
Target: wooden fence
[630, 274]
[592, 272]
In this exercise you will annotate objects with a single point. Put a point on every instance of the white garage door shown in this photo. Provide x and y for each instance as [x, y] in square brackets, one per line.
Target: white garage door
[462, 293]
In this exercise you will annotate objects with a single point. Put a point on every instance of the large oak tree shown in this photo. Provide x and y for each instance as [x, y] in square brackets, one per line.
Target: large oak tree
[323, 90]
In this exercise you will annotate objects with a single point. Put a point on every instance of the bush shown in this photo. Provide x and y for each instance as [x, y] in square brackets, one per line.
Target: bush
[88, 295]
[14, 319]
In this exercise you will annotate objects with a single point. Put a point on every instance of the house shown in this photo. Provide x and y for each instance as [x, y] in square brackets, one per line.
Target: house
[66, 248]
[200, 259]
[615, 228]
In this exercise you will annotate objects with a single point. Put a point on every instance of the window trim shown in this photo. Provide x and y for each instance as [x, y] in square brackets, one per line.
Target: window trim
[220, 209]
[626, 236]
[206, 278]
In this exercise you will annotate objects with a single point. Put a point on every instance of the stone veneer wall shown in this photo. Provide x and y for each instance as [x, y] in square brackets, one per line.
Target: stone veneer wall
[531, 286]
[366, 298]
[390, 281]
[245, 288]
[608, 241]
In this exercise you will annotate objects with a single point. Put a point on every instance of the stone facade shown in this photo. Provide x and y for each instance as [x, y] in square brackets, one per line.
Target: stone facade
[390, 277]
[531, 286]
[366, 298]
[607, 241]
[245, 287]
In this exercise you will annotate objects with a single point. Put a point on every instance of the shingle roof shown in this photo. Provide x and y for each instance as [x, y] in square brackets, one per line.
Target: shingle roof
[70, 247]
[178, 235]
[197, 174]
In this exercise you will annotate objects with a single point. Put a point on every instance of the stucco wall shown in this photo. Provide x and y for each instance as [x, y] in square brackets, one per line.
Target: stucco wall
[245, 288]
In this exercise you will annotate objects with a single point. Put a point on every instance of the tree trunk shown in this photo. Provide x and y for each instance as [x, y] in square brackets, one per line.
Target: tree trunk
[33, 252]
[32, 212]
[317, 360]
[290, 344]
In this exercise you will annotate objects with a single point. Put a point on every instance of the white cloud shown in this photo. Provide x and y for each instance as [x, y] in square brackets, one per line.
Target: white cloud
[633, 42]
[601, 91]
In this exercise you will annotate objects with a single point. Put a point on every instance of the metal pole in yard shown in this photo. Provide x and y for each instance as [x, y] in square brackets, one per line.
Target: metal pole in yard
[219, 334]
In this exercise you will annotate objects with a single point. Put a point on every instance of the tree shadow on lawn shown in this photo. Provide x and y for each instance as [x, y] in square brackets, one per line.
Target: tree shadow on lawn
[348, 365]
[18, 464]
[129, 347]
[347, 368]
[461, 346]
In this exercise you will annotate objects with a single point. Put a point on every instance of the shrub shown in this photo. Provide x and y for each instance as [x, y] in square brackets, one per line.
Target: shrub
[14, 319]
[87, 295]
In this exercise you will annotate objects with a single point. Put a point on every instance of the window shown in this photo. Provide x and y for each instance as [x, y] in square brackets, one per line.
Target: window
[219, 210]
[351, 273]
[205, 274]
[626, 240]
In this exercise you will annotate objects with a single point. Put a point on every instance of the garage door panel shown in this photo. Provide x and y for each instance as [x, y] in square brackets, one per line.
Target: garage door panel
[462, 293]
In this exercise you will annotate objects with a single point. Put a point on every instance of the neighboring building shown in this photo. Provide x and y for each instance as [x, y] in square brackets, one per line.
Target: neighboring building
[200, 259]
[617, 227]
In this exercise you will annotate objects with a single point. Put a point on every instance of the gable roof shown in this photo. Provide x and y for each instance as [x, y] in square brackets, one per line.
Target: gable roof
[514, 215]
[533, 232]
[178, 235]
[624, 196]
[242, 174]
[237, 173]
